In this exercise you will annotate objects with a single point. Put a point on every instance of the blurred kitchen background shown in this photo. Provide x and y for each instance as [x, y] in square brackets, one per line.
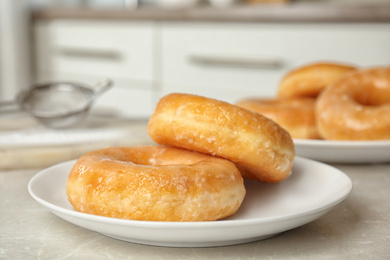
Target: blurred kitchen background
[226, 49]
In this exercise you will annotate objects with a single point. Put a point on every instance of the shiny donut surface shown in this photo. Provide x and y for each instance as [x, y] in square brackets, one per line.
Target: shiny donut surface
[310, 80]
[155, 184]
[357, 107]
[296, 115]
[260, 148]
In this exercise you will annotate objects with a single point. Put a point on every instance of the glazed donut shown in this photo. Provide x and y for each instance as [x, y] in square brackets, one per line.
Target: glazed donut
[260, 148]
[155, 184]
[296, 115]
[357, 107]
[310, 80]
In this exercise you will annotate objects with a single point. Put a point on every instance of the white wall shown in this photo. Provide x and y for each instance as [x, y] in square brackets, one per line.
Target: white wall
[14, 48]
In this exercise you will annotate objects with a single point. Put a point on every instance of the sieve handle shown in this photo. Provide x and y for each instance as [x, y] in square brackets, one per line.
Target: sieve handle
[102, 86]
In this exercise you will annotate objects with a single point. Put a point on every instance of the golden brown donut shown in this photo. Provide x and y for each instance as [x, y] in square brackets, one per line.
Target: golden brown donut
[155, 183]
[310, 80]
[296, 115]
[260, 148]
[356, 107]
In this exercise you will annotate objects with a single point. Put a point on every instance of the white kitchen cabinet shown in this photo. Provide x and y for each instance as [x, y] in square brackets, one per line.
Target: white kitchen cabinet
[230, 61]
[88, 50]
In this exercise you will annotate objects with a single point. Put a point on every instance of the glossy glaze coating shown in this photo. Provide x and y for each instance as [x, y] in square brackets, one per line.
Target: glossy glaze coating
[296, 115]
[357, 107]
[311, 79]
[260, 148]
[156, 184]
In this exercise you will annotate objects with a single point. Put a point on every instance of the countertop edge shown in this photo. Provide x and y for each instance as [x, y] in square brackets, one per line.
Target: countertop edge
[264, 13]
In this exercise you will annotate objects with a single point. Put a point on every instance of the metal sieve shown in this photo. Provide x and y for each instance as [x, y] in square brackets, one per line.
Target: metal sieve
[62, 104]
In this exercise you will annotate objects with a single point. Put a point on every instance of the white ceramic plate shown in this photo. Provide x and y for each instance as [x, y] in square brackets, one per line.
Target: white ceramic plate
[268, 209]
[344, 151]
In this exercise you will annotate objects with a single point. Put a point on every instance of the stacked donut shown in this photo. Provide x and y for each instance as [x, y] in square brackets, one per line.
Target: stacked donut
[206, 148]
[330, 101]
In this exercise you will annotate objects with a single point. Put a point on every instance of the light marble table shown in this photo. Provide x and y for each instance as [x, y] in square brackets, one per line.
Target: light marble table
[357, 228]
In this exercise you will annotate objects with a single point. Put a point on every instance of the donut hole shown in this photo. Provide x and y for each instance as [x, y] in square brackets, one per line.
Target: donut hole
[164, 161]
[151, 157]
[372, 96]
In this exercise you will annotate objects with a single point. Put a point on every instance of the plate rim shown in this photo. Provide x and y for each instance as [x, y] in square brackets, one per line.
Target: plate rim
[346, 144]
